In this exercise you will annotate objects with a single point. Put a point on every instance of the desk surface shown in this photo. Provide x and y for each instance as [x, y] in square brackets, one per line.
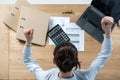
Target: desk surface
[11, 66]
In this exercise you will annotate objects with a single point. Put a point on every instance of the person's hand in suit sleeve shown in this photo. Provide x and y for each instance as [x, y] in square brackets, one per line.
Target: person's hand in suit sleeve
[107, 23]
[29, 36]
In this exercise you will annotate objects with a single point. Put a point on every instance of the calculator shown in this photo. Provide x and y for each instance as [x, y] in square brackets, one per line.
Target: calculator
[57, 35]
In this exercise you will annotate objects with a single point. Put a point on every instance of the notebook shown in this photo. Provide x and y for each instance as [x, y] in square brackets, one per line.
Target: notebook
[11, 20]
[33, 18]
[90, 21]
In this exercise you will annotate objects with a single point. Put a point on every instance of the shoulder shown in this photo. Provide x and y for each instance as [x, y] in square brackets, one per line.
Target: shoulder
[52, 74]
[52, 70]
[46, 74]
[81, 74]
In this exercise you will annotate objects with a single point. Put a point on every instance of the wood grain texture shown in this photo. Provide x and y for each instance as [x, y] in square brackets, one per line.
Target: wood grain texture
[4, 44]
[44, 56]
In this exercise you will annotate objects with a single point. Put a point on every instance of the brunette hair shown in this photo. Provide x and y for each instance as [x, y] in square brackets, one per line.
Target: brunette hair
[66, 57]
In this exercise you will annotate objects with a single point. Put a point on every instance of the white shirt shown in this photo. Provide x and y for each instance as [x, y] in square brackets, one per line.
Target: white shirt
[79, 74]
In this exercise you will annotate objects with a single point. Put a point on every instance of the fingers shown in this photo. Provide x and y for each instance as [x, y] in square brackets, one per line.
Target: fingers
[32, 31]
[28, 32]
[29, 35]
[107, 20]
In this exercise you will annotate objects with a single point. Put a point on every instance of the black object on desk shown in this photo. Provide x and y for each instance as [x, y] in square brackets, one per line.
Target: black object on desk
[57, 35]
[90, 21]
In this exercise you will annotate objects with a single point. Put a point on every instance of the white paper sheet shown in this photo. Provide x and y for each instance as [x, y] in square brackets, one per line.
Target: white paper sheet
[57, 20]
[75, 33]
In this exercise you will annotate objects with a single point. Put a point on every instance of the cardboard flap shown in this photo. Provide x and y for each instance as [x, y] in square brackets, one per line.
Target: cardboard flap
[32, 18]
[12, 18]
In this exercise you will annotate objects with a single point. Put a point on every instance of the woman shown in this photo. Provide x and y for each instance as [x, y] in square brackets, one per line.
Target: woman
[66, 58]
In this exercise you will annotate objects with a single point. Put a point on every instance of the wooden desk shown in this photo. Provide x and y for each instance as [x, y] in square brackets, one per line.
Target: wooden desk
[12, 68]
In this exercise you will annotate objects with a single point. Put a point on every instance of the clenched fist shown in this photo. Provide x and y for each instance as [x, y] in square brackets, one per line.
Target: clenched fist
[29, 35]
[107, 23]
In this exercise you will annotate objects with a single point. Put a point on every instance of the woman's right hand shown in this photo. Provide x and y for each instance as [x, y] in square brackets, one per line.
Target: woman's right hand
[29, 35]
